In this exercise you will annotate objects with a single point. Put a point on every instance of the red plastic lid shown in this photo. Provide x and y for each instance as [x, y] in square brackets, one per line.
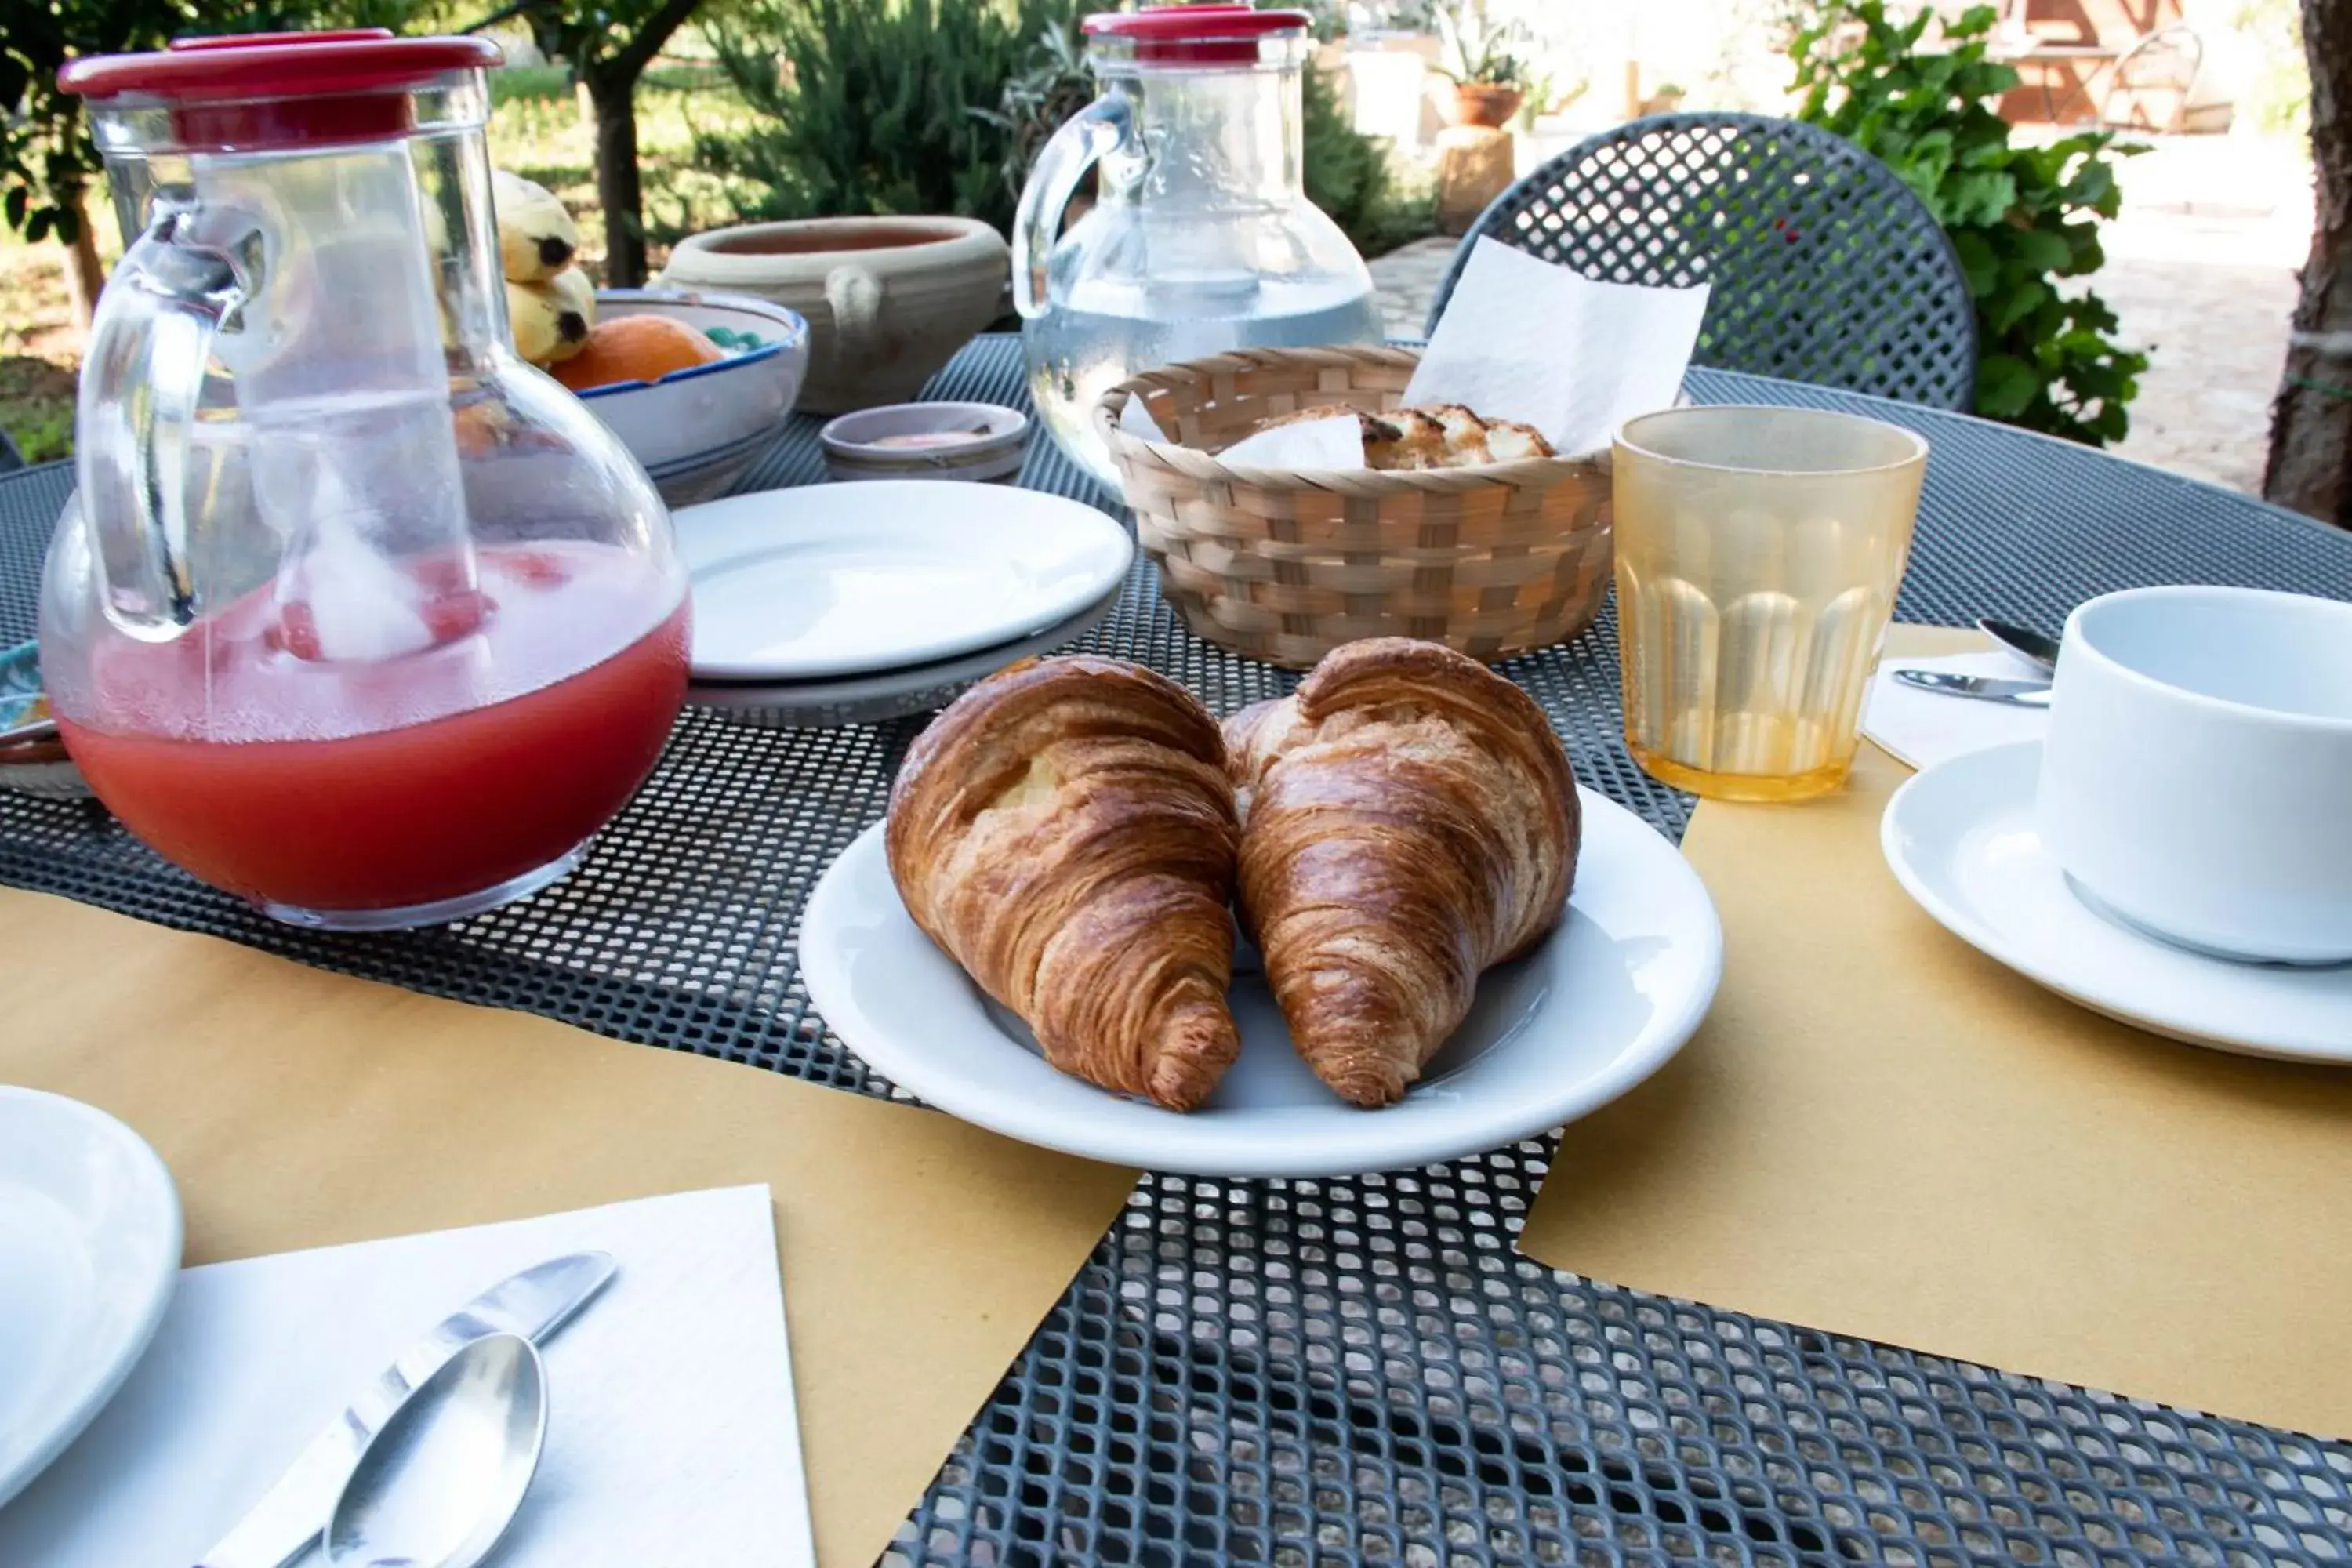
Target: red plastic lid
[1196, 35]
[279, 90]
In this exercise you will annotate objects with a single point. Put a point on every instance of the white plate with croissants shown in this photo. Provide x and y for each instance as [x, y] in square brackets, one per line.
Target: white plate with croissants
[1371, 925]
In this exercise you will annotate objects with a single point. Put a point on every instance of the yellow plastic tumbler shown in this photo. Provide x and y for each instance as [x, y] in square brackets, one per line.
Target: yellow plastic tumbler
[1758, 551]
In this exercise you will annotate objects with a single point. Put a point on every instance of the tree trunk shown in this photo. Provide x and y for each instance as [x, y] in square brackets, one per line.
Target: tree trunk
[2310, 466]
[85, 274]
[617, 188]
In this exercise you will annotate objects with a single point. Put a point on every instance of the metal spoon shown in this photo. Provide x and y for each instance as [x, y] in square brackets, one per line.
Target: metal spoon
[1983, 688]
[2042, 652]
[440, 1481]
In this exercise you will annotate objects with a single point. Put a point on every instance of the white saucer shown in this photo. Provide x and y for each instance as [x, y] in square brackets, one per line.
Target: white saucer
[894, 693]
[1961, 837]
[90, 1250]
[1598, 1008]
[831, 580]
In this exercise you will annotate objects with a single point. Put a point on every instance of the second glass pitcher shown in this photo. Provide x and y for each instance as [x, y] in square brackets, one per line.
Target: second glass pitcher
[1202, 238]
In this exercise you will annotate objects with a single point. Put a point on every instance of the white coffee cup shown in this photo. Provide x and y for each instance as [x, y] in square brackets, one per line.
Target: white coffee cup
[2197, 780]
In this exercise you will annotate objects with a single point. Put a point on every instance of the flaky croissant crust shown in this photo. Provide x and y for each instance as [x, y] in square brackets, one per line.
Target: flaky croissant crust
[1409, 819]
[1065, 830]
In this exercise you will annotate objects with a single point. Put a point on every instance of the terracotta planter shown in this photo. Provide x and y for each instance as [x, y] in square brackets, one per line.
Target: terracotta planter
[889, 301]
[1486, 103]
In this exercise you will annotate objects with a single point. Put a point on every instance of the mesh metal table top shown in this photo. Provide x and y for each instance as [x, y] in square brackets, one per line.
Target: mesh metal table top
[1365, 1370]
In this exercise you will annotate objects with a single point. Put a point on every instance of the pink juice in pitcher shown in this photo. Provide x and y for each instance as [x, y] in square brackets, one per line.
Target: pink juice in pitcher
[353, 613]
[307, 784]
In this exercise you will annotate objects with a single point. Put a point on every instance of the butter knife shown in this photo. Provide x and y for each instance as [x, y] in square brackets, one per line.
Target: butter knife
[535, 1303]
[1983, 688]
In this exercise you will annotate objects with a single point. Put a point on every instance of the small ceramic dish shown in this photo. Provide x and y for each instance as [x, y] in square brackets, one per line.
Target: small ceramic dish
[697, 430]
[32, 767]
[926, 441]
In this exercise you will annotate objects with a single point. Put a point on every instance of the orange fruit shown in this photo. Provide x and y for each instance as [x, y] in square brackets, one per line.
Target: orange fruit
[634, 348]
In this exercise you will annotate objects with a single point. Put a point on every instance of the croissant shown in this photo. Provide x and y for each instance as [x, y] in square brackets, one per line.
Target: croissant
[1065, 831]
[1409, 818]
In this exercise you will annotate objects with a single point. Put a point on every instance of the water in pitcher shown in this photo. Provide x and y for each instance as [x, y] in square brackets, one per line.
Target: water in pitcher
[1084, 349]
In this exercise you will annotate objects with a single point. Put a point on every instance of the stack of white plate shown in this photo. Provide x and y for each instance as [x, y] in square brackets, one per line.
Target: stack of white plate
[854, 604]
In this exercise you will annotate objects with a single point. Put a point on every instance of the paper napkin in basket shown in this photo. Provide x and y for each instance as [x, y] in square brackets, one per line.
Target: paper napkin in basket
[1526, 339]
[1522, 340]
[1334, 443]
[1337, 442]
[1137, 421]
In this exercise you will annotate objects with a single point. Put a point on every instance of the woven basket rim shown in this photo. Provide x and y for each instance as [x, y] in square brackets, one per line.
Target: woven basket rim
[1195, 464]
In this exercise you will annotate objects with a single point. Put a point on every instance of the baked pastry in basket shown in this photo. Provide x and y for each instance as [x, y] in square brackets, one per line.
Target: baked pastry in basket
[1442, 436]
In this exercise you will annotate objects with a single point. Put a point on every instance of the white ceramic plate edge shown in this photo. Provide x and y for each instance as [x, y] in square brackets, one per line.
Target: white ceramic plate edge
[883, 682]
[871, 694]
[1963, 925]
[1110, 550]
[94, 1395]
[1376, 1141]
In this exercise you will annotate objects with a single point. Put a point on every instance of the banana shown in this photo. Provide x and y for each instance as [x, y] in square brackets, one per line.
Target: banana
[579, 300]
[536, 238]
[550, 320]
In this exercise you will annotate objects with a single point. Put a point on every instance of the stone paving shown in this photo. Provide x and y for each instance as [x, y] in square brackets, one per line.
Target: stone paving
[2200, 271]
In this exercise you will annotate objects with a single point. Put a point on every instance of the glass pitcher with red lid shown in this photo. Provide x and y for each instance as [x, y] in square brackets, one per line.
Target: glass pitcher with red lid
[355, 614]
[1202, 239]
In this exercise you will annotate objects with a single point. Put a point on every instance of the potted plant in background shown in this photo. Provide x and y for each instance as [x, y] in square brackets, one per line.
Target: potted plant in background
[1485, 61]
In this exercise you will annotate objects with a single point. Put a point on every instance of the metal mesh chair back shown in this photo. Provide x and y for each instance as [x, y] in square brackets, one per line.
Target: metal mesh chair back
[1825, 267]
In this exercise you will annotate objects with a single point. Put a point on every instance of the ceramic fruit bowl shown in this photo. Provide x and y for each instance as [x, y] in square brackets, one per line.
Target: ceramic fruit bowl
[697, 430]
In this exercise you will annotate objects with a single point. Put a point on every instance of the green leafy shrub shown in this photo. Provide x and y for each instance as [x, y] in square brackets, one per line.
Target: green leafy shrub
[880, 107]
[37, 406]
[2022, 218]
[871, 110]
[1051, 85]
[530, 84]
[1478, 50]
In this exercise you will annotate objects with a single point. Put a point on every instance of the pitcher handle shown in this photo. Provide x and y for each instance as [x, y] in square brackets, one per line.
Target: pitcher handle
[1081, 141]
[149, 344]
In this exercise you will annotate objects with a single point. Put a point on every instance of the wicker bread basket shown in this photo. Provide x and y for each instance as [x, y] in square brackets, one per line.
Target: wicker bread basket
[1284, 565]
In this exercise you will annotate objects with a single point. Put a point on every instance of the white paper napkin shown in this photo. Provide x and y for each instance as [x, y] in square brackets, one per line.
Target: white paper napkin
[1337, 442]
[1137, 421]
[671, 1433]
[1524, 340]
[1923, 729]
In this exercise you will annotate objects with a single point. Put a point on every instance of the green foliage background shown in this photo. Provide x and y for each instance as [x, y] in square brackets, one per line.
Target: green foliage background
[881, 106]
[866, 106]
[2023, 218]
[46, 161]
